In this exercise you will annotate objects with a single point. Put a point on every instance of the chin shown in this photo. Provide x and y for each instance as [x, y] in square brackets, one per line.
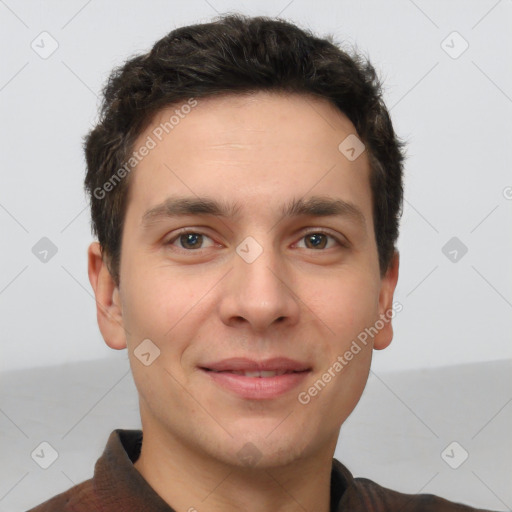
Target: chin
[261, 450]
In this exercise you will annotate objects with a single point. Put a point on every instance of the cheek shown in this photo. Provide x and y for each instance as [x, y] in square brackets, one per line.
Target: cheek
[163, 307]
[154, 299]
[349, 304]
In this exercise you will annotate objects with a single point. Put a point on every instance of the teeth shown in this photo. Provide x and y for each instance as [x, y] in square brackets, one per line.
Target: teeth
[272, 373]
[253, 374]
[265, 373]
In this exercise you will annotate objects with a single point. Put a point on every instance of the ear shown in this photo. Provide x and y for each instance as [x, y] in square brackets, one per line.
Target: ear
[108, 303]
[388, 284]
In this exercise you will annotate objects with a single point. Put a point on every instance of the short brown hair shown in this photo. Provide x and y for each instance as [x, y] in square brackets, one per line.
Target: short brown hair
[238, 54]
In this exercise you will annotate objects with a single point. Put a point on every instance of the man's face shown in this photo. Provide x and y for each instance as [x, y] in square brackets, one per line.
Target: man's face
[263, 281]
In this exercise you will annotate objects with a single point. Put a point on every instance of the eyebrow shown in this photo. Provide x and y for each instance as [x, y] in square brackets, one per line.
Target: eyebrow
[322, 206]
[316, 206]
[181, 206]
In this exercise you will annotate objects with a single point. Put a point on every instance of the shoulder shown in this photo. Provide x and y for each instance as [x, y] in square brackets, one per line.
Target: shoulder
[380, 499]
[80, 498]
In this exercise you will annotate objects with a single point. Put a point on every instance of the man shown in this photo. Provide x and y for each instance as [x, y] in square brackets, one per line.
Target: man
[246, 188]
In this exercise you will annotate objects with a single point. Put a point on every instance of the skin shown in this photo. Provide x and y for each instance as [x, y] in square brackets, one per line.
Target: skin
[200, 305]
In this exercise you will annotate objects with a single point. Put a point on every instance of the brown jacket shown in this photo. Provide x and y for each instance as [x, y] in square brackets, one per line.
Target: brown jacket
[118, 487]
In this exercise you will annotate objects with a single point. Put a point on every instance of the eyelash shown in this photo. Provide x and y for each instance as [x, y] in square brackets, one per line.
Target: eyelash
[176, 237]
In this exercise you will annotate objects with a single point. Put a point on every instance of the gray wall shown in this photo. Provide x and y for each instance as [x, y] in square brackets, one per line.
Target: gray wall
[454, 109]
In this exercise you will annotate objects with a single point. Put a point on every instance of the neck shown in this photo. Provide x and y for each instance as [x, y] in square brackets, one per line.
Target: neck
[190, 481]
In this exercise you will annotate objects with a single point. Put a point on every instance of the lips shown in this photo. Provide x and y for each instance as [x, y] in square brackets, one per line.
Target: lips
[261, 374]
[257, 380]
[252, 368]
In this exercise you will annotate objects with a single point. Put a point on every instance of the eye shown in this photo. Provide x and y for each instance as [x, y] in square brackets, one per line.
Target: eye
[320, 240]
[190, 240]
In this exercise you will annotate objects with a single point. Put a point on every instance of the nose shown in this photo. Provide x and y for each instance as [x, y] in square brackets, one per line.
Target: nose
[258, 294]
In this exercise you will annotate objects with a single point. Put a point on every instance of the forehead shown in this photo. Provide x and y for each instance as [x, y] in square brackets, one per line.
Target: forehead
[257, 148]
[256, 118]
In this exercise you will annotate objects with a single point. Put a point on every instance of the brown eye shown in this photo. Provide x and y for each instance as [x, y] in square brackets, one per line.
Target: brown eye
[190, 240]
[319, 240]
[316, 241]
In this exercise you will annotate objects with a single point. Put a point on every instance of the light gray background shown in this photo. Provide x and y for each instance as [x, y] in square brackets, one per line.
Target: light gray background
[454, 112]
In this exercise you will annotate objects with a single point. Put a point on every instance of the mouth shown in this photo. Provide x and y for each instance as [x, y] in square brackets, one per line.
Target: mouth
[244, 365]
[263, 374]
[257, 380]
